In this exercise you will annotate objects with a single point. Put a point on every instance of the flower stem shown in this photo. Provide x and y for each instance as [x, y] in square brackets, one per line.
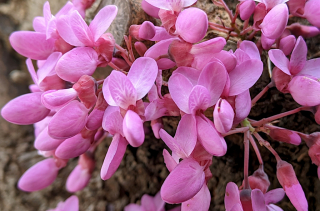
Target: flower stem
[246, 160]
[256, 149]
[264, 90]
[267, 145]
[237, 130]
[278, 116]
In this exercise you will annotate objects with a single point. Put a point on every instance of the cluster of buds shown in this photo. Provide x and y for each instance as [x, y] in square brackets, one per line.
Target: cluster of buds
[73, 112]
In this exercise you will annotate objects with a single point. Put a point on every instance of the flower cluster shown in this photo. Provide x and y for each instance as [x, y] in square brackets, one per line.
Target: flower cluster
[72, 111]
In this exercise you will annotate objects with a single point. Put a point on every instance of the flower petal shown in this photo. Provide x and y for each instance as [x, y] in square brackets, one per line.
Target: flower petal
[258, 202]
[29, 106]
[81, 29]
[186, 28]
[298, 56]
[180, 89]
[210, 139]
[274, 196]
[142, 75]
[112, 120]
[102, 21]
[74, 146]
[76, 63]
[199, 99]
[33, 45]
[186, 134]
[213, 77]
[113, 157]
[39, 176]
[121, 90]
[244, 76]
[305, 90]
[223, 115]
[133, 128]
[232, 196]
[68, 121]
[201, 201]
[183, 183]
[44, 142]
[275, 21]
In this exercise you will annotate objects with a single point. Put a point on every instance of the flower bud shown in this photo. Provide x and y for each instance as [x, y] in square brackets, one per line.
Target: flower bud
[259, 180]
[305, 31]
[141, 48]
[81, 174]
[288, 180]
[223, 116]
[284, 135]
[287, 44]
[86, 88]
[246, 9]
[39, 176]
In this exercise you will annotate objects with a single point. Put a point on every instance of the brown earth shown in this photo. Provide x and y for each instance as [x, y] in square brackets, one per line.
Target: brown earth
[142, 170]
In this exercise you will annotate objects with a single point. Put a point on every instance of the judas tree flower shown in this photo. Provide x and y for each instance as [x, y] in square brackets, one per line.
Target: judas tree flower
[71, 204]
[234, 104]
[41, 175]
[195, 164]
[127, 91]
[95, 48]
[259, 200]
[40, 44]
[288, 180]
[193, 92]
[304, 85]
[271, 18]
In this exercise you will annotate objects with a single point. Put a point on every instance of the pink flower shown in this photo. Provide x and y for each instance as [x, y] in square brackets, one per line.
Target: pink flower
[303, 85]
